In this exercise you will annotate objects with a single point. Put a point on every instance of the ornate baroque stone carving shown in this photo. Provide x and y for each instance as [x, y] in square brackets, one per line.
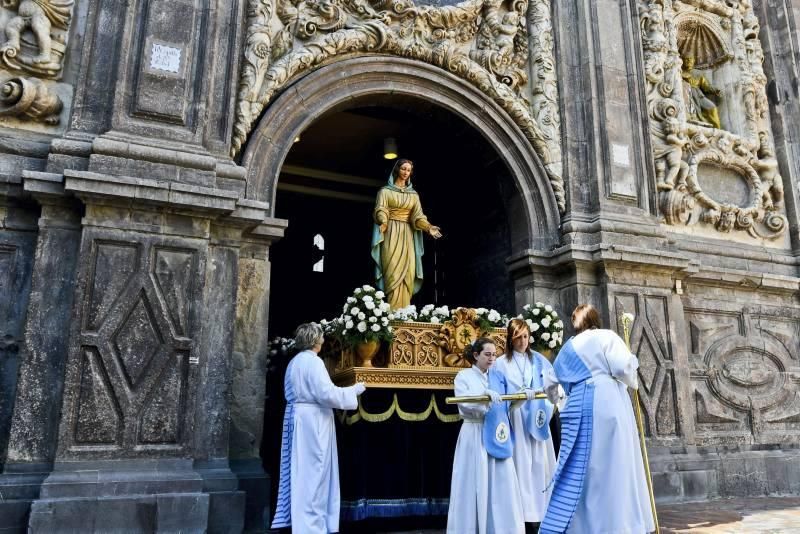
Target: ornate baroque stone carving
[40, 49]
[29, 99]
[485, 42]
[692, 158]
[745, 381]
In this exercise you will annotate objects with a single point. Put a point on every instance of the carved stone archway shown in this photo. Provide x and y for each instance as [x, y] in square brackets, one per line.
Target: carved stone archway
[348, 83]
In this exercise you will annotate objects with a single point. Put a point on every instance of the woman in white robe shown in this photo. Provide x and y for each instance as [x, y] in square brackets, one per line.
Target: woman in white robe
[308, 494]
[600, 485]
[534, 459]
[484, 497]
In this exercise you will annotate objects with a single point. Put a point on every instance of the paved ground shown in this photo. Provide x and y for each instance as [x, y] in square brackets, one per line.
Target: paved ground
[768, 515]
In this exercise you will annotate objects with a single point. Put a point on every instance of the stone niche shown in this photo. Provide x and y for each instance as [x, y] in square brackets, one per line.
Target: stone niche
[709, 118]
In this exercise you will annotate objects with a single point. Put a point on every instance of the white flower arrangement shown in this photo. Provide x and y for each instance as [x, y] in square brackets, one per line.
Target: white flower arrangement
[489, 318]
[280, 345]
[432, 314]
[365, 317]
[547, 330]
[407, 314]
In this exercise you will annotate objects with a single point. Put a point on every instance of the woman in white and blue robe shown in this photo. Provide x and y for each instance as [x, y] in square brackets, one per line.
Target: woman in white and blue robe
[534, 456]
[308, 494]
[600, 485]
[484, 496]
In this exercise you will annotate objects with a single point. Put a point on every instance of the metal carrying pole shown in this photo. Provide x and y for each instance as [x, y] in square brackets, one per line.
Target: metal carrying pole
[487, 398]
[626, 329]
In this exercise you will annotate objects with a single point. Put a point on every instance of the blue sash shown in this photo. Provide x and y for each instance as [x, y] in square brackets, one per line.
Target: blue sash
[576, 441]
[537, 413]
[283, 508]
[497, 436]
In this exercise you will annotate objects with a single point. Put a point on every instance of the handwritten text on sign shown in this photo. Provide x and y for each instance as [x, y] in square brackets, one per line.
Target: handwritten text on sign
[165, 58]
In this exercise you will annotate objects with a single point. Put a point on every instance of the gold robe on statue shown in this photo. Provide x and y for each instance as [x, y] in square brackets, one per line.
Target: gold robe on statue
[399, 249]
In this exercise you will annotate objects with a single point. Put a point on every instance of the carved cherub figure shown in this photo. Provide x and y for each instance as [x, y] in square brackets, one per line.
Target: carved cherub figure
[40, 16]
[506, 31]
[669, 155]
[767, 167]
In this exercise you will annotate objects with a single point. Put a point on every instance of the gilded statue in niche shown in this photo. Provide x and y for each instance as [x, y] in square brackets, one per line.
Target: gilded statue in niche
[708, 111]
[397, 245]
[699, 107]
[48, 22]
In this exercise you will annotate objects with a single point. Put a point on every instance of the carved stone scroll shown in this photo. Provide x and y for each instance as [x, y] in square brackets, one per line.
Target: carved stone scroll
[485, 42]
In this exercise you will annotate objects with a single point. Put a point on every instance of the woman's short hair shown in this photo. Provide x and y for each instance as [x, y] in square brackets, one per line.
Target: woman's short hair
[307, 335]
[585, 317]
[476, 348]
[515, 329]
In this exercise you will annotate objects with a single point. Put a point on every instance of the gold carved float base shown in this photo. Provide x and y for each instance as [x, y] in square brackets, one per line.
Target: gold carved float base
[421, 356]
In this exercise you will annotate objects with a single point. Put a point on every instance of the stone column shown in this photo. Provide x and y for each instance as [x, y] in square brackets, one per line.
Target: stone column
[250, 360]
[37, 403]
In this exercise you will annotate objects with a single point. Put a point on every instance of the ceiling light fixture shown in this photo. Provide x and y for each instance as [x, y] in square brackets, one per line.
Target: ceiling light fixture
[389, 148]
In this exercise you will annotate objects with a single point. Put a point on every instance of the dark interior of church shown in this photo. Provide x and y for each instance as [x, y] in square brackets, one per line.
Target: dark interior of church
[327, 189]
[327, 192]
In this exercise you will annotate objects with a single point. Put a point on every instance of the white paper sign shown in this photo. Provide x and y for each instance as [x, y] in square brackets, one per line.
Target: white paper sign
[619, 155]
[166, 58]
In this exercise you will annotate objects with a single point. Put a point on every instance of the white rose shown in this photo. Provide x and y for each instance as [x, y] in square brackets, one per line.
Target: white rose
[351, 300]
[546, 322]
[376, 327]
[357, 291]
[530, 325]
[559, 324]
[386, 307]
[348, 325]
[354, 311]
[554, 314]
[362, 326]
[552, 344]
[369, 305]
[535, 327]
[545, 336]
[379, 294]
[361, 316]
[526, 307]
[373, 319]
[377, 312]
[535, 311]
[548, 308]
[391, 317]
[344, 308]
[627, 317]
[384, 321]
[540, 304]
[366, 287]
[367, 298]
[435, 320]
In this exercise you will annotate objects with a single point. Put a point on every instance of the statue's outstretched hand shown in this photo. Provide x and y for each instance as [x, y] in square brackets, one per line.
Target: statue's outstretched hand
[435, 232]
[383, 228]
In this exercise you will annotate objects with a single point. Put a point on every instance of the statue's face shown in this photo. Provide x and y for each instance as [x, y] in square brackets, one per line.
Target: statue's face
[688, 63]
[404, 172]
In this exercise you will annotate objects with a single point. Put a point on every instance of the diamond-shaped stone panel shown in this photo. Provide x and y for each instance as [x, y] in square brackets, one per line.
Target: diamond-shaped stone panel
[648, 361]
[137, 341]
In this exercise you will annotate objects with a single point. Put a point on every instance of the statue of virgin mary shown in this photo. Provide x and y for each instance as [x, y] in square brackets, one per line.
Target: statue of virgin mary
[397, 246]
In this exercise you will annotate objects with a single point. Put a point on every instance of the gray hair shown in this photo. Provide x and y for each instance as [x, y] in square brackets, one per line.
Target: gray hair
[307, 335]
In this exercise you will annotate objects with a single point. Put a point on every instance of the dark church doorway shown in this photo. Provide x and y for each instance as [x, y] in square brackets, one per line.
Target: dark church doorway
[326, 190]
